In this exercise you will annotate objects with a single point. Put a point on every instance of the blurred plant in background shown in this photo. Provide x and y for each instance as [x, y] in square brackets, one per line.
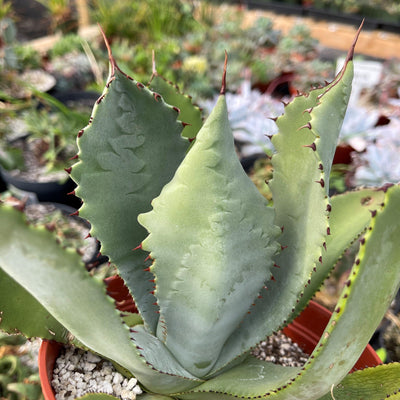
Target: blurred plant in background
[298, 42]
[49, 130]
[379, 163]
[387, 92]
[144, 22]
[5, 9]
[62, 15]
[19, 377]
[379, 9]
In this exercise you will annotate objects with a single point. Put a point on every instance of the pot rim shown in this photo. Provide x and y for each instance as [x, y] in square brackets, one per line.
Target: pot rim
[305, 330]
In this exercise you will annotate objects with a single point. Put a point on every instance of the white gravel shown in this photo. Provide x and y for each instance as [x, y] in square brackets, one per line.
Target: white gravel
[280, 349]
[77, 372]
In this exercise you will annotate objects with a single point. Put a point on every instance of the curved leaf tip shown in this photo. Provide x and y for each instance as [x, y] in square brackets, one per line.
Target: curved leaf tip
[111, 58]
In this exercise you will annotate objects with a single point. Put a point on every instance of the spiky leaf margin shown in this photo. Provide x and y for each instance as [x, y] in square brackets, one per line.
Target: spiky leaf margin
[190, 114]
[203, 226]
[299, 189]
[351, 213]
[57, 279]
[21, 313]
[359, 311]
[128, 152]
[381, 382]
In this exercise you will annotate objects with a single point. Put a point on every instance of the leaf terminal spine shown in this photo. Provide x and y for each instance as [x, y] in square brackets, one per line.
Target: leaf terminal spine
[223, 85]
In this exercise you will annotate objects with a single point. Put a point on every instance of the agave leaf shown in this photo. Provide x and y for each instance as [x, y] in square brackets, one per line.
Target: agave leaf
[299, 190]
[156, 354]
[301, 205]
[190, 114]
[59, 281]
[351, 213]
[343, 341]
[381, 382]
[20, 312]
[248, 380]
[326, 124]
[377, 266]
[201, 229]
[128, 152]
[151, 396]
[132, 319]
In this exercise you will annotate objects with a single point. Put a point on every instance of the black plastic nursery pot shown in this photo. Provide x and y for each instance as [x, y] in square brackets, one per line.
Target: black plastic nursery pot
[56, 190]
[305, 330]
[53, 191]
[3, 185]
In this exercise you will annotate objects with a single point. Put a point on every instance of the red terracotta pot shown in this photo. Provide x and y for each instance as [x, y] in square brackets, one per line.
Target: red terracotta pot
[309, 326]
[305, 330]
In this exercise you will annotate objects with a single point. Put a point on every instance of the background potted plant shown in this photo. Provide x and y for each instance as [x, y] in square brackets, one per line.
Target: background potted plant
[37, 131]
[34, 159]
[212, 258]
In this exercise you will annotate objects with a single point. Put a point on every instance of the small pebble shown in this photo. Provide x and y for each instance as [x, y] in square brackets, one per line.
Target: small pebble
[279, 349]
[131, 383]
[118, 378]
[77, 372]
[90, 366]
[107, 388]
[92, 358]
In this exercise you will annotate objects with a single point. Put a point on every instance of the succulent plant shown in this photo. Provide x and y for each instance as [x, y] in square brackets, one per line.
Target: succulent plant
[215, 269]
[19, 378]
[247, 117]
[357, 126]
[298, 40]
[383, 144]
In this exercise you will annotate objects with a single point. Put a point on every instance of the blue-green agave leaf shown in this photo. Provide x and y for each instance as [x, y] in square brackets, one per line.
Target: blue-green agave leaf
[381, 382]
[350, 215]
[301, 205]
[132, 130]
[248, 380]
[58, 280]
[156, 353]
[190, 114]
[202, 227]
[342, 343]
[377, 266]
[34, 320]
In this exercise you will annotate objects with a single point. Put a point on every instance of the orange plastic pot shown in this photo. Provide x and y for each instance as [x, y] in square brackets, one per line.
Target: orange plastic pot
[305, 330]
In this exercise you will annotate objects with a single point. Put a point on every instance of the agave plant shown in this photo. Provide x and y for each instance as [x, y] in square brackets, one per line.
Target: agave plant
[215, 269]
